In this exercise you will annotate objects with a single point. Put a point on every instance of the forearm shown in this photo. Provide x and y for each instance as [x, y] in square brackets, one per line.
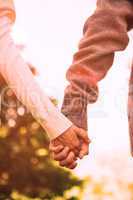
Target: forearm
[105, 32]
[19, 77]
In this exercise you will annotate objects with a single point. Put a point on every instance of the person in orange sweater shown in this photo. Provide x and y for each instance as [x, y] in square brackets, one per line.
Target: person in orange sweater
[70, 139]
[105, 32]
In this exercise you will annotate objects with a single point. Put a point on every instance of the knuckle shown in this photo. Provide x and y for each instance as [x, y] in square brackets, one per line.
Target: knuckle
[69, 161]
[72, 155]
[73, 166]
[64, 155]
[58, 157]
[63, 163]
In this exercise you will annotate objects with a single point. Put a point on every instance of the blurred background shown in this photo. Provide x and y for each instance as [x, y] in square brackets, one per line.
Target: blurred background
[47, 34]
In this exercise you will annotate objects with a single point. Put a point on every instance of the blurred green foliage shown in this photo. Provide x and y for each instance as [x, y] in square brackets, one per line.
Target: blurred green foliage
[26, 170]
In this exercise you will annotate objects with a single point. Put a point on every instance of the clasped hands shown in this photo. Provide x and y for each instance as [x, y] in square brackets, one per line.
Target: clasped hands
[69, 146]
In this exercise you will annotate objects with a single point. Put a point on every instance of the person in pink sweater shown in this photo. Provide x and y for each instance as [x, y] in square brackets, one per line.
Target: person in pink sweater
[71, 140]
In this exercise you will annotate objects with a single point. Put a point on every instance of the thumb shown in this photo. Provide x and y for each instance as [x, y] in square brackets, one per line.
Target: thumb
[84, 150]
[82, 134]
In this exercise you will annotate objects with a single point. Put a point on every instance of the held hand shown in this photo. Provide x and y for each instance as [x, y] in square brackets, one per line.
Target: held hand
[72, 138]
[70, 145]
[65, 157]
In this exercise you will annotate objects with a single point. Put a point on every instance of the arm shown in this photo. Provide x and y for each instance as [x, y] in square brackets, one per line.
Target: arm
[19, 77]
[104, 33]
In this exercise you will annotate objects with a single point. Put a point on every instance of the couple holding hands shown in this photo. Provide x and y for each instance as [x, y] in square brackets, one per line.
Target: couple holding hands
[105, 32]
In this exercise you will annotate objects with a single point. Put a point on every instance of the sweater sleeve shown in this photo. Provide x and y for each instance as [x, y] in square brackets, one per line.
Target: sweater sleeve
[105, 32]
[19, 77]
